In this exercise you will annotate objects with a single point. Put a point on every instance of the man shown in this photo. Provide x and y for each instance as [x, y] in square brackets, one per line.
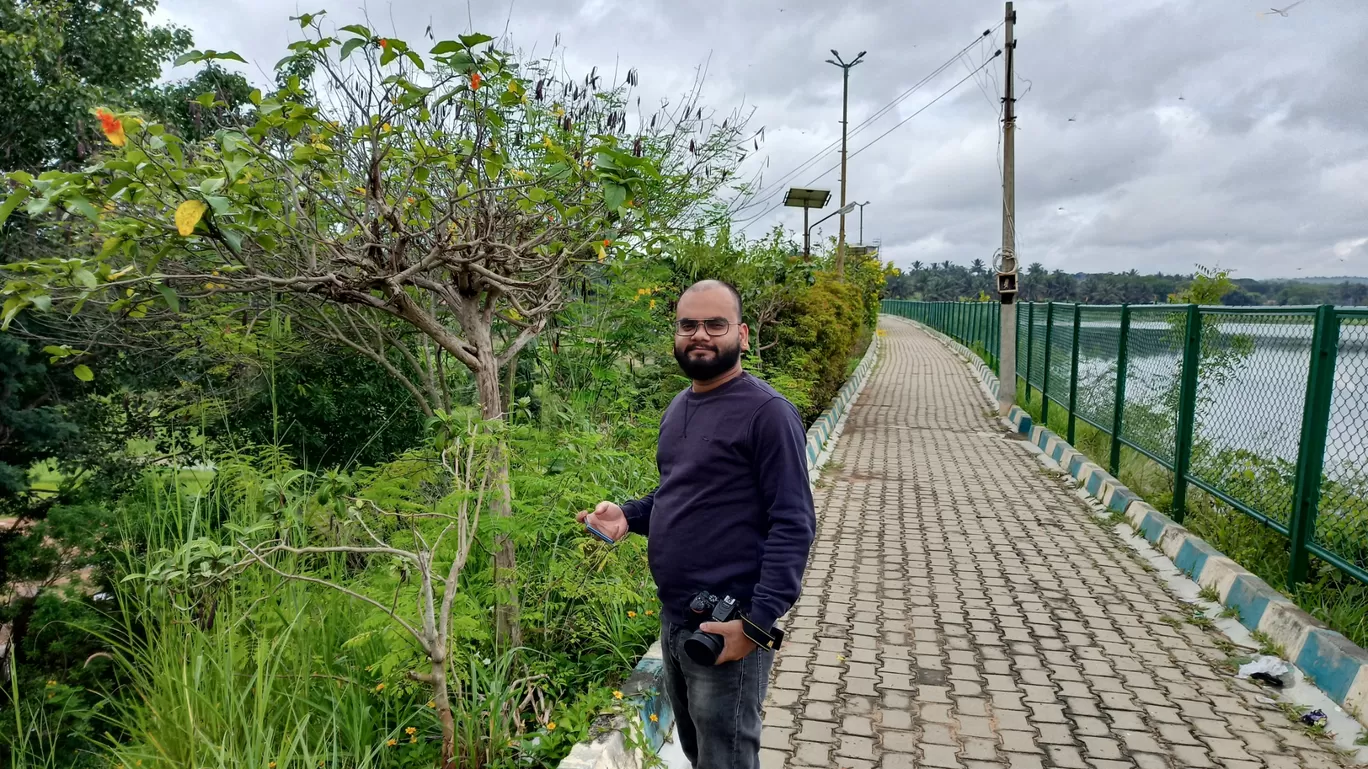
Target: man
[732, 516]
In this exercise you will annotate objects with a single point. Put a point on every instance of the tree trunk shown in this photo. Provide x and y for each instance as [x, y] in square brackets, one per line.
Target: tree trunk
[501, 506]
[441, 699]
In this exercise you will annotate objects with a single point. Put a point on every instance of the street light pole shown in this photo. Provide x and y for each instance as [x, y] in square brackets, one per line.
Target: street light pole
[841, 212]
[845, 114]
[862, 205]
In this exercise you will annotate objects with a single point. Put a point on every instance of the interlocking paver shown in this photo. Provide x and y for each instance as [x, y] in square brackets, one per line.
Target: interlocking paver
[962, 609]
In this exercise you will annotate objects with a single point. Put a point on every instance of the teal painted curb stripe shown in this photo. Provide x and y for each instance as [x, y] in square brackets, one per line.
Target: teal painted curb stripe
[1332, 661]
[1193, 555]
[1152, 528]
[1251, 596]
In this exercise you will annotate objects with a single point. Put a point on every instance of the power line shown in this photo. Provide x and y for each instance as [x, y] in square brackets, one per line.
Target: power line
[895, 127]
[775, 185]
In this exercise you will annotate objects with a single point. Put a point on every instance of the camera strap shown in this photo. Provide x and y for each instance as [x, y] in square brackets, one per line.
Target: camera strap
[766, 639]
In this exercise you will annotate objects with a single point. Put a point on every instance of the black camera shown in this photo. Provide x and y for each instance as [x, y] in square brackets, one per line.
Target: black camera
[701, 647]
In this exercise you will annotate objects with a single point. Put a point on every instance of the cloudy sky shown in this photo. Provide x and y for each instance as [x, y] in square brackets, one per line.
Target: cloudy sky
[1153, 134]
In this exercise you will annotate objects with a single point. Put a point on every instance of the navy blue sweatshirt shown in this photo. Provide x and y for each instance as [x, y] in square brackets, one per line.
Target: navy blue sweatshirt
[733, 513]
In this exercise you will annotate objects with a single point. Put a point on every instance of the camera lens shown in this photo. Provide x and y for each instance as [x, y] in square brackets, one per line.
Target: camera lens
[703, 648]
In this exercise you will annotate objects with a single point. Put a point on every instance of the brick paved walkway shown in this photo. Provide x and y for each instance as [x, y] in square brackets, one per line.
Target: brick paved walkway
[963, 609]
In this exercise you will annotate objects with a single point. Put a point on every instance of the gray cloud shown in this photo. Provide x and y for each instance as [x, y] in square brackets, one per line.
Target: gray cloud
[1261, 166]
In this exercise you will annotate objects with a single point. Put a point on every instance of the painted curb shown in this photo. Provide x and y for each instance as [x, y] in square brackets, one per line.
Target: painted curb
[645, 688]
[1334, 663]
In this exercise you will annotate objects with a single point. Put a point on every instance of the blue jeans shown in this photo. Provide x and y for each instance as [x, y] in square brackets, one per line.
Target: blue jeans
[716, 707]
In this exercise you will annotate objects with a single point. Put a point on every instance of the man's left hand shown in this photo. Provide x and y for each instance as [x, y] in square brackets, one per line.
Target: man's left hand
[736, 645]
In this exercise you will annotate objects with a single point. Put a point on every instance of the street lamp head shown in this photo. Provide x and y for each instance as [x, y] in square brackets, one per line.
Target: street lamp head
[833, 53]
[833, 63]
[847, 208]
[857, 58]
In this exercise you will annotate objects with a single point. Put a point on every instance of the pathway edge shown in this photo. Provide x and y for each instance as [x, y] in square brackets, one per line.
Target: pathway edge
[644, 691]
[1336, 665]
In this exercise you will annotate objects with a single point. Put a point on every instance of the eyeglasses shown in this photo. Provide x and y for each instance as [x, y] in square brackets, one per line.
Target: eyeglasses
[714, 326]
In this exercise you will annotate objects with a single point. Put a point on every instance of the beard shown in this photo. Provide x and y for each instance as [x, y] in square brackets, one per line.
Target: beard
[702, 369]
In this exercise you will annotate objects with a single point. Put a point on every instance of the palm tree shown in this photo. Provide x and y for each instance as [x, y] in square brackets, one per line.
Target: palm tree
[977, 267]
[917, 265]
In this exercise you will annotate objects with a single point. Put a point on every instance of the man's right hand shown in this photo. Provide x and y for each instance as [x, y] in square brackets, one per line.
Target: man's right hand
[607, 518]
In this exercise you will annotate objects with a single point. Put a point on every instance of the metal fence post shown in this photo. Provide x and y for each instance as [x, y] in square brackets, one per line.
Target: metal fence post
[1045, 377]
[1320, 387]
[1187, 411]
[1030, 345]
[1118, 412]
[1073, 373]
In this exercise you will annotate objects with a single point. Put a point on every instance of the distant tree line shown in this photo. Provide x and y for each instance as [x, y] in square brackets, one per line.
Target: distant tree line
[948, 282]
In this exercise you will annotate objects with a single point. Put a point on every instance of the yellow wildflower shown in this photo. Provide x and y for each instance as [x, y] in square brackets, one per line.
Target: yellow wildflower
[551, 726]
[617, 695]
[652, 307]
[412, 740]
[631, 614]
[52, 683]
[654, 718]
[380, 687]
[412, 730]
[271, 765]
[392, 742]
[649, 612]
[432, 704]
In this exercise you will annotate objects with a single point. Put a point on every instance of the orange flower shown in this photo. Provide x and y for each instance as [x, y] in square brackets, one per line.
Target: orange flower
[379, 687]
[384, 43]
[392, 742]
[607, 242]
[112, 126]
[475, 81]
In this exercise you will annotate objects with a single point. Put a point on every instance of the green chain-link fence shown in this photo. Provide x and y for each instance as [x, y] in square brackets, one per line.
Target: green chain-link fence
[1264, 409]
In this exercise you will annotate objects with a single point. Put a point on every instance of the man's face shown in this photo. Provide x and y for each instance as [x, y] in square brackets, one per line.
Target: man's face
[700, 355]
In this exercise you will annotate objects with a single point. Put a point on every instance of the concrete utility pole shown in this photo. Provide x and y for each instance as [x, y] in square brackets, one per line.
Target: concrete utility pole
[1007, 263]
[845, 112]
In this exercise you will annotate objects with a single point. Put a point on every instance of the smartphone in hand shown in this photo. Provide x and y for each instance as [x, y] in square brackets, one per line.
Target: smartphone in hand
[598, 533]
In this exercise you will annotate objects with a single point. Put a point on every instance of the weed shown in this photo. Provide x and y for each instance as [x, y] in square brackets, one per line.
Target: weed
[1209, 594]
[1172, 622]
[1267, 645]
[1231, 612]
[1199, 620]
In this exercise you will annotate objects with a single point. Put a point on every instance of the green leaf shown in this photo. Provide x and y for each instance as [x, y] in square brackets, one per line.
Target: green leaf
[218, 203]
[444, 47]
[351, 45]
[614, 195]
[187, 57]
[235, 165]
[388, 56]
[224, 55]
[83, 373]
[169, 294]
[85, 208]
[472, 40]
[85, 278]
[12, 202]
[41, 301]
[416, 59]
[11, 308]
[284, 61]
[307, 18]
[357, 29]
[255, 96]
[210, 186]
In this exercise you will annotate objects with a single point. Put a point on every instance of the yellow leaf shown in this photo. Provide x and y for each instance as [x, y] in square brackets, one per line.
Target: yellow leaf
[601, 254]
[188, 215]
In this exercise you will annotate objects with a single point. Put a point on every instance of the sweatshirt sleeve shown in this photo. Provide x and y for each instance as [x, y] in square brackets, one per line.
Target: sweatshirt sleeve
[638, 513]
[779, 444]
